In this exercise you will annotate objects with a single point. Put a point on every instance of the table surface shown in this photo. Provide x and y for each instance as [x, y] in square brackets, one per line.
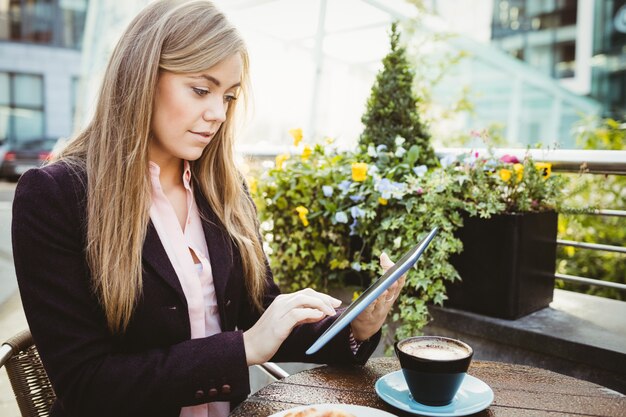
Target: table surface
[518, 391]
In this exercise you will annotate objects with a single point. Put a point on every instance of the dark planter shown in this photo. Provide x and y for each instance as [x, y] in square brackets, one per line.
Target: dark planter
[507, 264]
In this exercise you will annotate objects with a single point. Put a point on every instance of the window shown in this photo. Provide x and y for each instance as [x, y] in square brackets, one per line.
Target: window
[21, 107]
[50, 22]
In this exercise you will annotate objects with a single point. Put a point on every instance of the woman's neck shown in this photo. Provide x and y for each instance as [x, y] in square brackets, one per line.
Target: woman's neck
[170, 173]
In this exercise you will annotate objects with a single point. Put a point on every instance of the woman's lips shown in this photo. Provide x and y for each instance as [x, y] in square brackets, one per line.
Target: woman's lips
[203, 136]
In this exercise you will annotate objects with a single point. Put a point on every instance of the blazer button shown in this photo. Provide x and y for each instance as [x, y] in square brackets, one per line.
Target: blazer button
[227, 303]
[226, 389]
[213, 392]
[199, 394]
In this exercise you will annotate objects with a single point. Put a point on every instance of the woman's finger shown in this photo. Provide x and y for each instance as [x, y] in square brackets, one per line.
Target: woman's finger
[385, 261]
[299, 300]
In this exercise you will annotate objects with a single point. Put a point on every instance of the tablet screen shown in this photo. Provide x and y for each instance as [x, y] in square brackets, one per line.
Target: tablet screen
[373, 291]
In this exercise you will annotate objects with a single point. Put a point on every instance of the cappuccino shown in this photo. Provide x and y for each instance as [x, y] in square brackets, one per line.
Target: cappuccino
[437, 350]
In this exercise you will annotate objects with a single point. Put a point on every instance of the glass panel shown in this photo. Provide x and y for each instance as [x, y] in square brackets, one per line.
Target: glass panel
[5, 27]
[5, 98]
[28, 90]
[37, 21]
[73, 13]
[28, 124]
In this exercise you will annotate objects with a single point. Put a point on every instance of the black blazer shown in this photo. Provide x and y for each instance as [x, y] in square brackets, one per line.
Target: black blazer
[153, 369]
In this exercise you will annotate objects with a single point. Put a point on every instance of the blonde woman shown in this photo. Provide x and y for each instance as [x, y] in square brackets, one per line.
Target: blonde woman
[137, 252]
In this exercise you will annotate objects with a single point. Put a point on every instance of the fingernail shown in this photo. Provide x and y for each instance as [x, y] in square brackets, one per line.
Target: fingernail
[335, 302]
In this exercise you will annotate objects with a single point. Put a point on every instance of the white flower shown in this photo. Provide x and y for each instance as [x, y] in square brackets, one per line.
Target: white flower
[371, 151]
[400, 151]
[420, 170]
[399, 140]
[356, 266]
[341, 217]
[447, 160]
[327, 190]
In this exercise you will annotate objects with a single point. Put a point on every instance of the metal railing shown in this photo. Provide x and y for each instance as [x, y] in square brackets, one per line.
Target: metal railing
[274, 371]
[572, 160]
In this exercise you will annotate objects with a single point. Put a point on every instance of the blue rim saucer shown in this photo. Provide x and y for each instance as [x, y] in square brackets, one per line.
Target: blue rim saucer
[473, 396]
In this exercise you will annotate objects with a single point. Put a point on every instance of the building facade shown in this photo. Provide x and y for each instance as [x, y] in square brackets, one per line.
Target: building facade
[40, 67]
[581, 43]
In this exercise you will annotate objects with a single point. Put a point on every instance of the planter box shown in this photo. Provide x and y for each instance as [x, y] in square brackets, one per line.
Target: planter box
[507, 264]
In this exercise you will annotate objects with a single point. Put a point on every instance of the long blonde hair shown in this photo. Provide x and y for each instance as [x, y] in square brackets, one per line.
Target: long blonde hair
[181, 37]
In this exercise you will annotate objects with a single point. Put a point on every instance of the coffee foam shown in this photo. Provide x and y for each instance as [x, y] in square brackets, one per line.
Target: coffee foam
[438, 350]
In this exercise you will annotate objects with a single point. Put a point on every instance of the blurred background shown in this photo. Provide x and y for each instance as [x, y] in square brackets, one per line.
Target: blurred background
[528, 70]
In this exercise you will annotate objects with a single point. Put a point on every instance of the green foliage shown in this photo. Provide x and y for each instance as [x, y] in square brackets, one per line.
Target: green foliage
[597, 191]
[392, 108]
[319, 204]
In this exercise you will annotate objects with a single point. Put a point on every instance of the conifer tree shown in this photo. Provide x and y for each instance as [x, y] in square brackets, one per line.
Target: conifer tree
[392, 107]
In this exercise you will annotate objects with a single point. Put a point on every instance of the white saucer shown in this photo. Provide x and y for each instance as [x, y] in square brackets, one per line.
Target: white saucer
[357, 410]
[473, 396]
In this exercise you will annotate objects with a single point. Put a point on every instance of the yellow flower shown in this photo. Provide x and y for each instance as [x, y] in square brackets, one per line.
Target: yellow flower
[252, 185]
[359, 171]
[302, 212]
[296, 134]
[306, 152]
[505, 174]
[382, 201]
[570, 251]
[356, 295]
[328, 140]
[519, 171]
[545, 168]
[280, 160]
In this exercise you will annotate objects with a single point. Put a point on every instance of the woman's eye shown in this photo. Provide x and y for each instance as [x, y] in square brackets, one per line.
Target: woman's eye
[200, 91]
[229, 99]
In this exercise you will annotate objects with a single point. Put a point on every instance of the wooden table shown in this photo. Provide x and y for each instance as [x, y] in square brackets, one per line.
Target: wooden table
[519, 391]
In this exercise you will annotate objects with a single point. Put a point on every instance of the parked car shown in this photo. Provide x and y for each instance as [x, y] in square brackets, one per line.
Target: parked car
[22, 156]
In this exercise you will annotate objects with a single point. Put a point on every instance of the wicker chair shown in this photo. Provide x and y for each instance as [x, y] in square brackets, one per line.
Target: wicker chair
[30, 383]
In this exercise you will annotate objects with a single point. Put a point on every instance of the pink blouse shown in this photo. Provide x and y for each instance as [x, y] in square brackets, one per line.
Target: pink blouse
[195, 279]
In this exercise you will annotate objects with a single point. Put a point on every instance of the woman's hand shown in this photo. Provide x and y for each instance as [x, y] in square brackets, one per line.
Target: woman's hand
[366, 324]
[263, 339]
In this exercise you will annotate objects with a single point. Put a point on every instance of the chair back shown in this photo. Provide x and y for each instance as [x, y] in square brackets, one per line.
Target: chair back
[29, 380]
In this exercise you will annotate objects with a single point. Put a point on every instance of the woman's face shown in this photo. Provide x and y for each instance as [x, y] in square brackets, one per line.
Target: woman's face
[190, 108]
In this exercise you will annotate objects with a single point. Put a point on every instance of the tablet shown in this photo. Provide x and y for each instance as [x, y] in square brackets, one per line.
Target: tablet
[374, 290]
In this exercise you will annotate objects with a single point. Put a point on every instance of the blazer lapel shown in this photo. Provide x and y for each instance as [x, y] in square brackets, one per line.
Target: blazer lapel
[220, 248]
[154, 254]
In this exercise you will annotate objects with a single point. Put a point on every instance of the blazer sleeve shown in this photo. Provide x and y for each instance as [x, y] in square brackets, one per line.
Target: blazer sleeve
[90, 374]
[337, 351]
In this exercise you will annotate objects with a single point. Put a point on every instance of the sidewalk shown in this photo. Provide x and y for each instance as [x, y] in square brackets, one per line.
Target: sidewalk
[12, 321]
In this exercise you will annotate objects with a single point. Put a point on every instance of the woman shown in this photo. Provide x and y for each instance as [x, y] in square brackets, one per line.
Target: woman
[137, 253]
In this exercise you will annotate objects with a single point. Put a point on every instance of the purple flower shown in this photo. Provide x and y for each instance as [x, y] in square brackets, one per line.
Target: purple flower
[356, 266]
[419, 191]
[353, 227]
[381, 148]
[344, 185]
[357, 198]
[356, 212]
[327, 190]
[510, 159]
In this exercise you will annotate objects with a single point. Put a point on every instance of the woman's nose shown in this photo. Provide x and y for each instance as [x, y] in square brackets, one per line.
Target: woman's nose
[215, 111]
